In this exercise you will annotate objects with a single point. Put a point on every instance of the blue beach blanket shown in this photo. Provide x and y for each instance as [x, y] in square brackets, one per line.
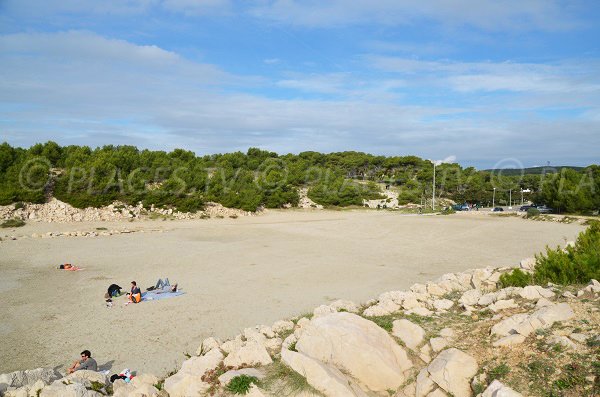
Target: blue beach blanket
[160, 294]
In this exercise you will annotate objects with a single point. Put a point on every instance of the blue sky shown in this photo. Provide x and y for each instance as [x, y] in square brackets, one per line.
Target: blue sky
[484, 82]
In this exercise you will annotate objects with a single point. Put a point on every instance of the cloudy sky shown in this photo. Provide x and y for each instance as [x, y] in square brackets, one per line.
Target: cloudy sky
[490, 82]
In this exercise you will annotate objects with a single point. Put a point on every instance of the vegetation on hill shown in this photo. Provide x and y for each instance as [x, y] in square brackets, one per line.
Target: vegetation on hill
[82, 177]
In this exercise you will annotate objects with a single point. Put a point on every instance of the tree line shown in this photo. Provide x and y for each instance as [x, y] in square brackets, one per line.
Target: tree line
[86, 177]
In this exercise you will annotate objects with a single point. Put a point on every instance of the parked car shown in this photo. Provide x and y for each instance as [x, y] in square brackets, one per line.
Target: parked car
[497, 209]
[460, 207]
[524, 208]
[544, 210]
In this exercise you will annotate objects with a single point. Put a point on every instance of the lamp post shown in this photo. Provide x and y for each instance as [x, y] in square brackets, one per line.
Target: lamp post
[494, 199]
[510, 199]
[433, 196]
[521, 196]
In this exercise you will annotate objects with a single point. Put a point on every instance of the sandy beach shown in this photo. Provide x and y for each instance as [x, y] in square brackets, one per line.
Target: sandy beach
[235, 273]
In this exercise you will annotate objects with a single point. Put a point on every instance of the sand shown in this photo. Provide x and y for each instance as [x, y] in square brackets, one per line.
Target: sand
[235, 272]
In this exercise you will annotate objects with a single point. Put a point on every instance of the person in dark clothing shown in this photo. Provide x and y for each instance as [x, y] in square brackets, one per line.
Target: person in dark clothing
[114, 290]
[135, 295]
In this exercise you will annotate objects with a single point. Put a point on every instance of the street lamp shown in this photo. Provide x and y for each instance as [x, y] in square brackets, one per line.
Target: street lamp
[510, 199]
[433, 197]
[494, 199]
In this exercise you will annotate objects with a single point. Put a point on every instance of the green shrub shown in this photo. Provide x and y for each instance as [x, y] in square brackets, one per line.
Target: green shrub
[12, 223]
[241, 384]
[448, 211]
[517, 278]
[19, 205]
[531, 212]
[576, 264]
[498, 372]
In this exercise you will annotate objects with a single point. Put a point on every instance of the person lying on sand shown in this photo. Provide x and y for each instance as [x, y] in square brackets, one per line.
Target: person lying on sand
[86, 362]
[68, 266]
[135, 296]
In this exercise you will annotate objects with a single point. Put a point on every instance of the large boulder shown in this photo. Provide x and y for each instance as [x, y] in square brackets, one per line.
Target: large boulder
[251, 352]
[410, 334]
[188, 381]
[325, 378]
[357, 347]
[27, 378]
[86, 377]
[59, 389]
[451, 371]
[26, 391]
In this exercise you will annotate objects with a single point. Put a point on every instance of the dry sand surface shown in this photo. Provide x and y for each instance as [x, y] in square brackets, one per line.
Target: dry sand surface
[235, 272]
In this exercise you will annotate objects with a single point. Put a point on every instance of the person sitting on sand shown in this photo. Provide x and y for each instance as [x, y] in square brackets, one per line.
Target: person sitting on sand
[135, 296]
[86, 362]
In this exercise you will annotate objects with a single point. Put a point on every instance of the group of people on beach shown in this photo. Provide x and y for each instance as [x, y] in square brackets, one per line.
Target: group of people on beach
[135, 294]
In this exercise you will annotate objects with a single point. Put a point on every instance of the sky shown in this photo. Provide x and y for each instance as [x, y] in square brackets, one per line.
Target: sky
[485, 83]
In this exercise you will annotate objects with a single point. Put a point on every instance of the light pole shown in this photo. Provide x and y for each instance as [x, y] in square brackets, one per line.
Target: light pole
[521, 196]
[494, 199]
[433, 196]
[510, 199]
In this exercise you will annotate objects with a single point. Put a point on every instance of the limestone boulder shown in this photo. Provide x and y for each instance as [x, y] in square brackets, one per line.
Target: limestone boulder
[27, 378]
[250, 353]
[412, 335]
[323, 377]
[282, 326]
[59, 389]
[25, 391]
[207, 345]
[188, 381]
[86, 377]
[525, 324]
[509, 340]
[451, 371]
[470, 297]
[357, 347]
[442, 304]
[382, 308]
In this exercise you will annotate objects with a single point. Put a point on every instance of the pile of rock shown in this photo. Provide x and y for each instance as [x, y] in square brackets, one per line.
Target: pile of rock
[305, 202]
[60, 212]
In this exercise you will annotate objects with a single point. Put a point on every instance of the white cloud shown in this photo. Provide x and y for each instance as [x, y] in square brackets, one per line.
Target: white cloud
[485, 14]
[82, 88]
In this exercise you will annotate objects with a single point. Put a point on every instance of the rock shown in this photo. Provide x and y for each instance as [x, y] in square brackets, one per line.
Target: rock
[569, 295]
[424, 385]
[325, 378]
[479, 276]
[344, 305]
[323, 310]
[255, 392]
[543, 302]
[438, 344]
[359, 348]
[534, 292]
[282, 326]
[410, 334]
[581, 338]
[227, 376]
[562, 341]
[251, 353]
[27, 378]
[436, 290]
[470, 297]
[502, 305]
[442, 304]
[525, 324]
[425, 353]
[383, 308]
[509, 340]
[252, 334]
[86, 377]
[144, 379]
[232, 345]
[273, 345]
[207, 345]
[266, 331]
[59, 389]
[497, 389]
[452, 371]
[447, 333]
[487, 299]
[188, 381]
[26, 391]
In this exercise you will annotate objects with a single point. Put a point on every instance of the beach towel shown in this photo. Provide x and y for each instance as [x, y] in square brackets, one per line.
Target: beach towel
[159, 294]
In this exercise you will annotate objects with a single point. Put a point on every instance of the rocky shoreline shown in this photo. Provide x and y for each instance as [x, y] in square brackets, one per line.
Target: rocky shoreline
[450, 337]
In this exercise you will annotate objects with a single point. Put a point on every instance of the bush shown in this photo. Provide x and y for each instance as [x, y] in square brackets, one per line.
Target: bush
[517, 278]
[12, 223]
[241, 384]
[531, 212]
[576, 264]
